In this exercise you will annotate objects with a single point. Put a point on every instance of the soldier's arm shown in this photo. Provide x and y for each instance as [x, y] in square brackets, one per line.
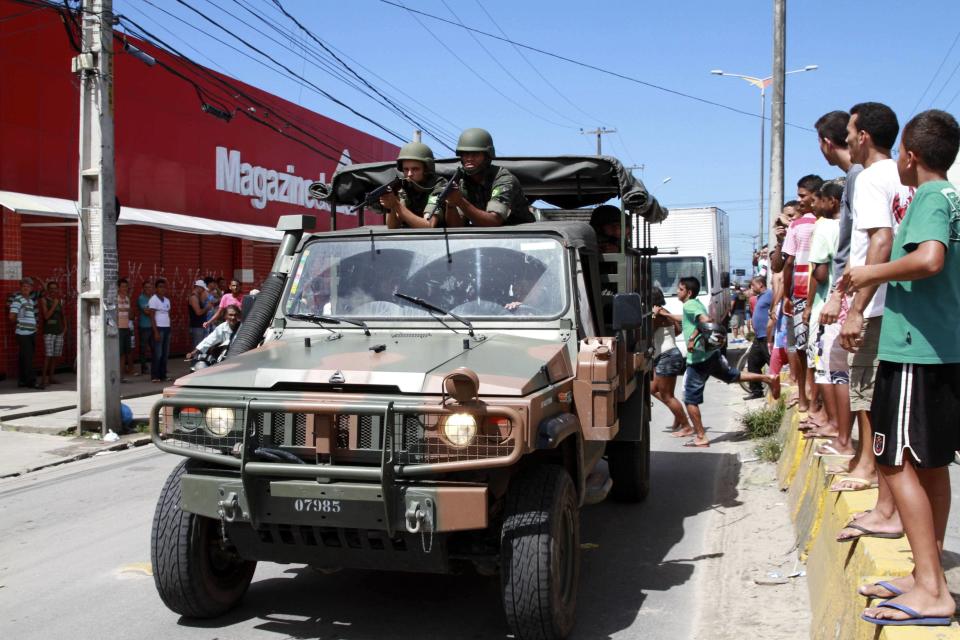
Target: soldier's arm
[478, 216]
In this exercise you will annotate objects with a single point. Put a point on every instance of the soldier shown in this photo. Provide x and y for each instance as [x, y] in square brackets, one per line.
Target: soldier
[489, 196]
[605, 220]
[413, 204]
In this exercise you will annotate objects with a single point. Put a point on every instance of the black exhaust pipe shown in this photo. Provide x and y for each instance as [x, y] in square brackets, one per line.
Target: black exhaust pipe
[265, 305]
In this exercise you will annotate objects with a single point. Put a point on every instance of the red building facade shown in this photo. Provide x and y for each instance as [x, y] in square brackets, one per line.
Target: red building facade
[199, 195]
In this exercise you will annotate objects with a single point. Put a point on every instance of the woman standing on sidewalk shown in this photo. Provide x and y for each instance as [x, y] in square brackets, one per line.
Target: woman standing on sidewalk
[668, 362]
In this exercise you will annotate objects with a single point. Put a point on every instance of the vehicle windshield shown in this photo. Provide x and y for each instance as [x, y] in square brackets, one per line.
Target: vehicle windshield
[485, 277]
[668, 271]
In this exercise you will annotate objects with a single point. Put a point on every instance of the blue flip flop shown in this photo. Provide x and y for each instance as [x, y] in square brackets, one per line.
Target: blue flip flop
[886, 585]
[916, 618]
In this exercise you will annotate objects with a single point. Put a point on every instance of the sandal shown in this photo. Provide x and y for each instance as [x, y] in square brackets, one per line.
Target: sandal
[860, 484]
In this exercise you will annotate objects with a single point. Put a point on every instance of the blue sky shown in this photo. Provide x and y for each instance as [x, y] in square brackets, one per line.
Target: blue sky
[880, 50]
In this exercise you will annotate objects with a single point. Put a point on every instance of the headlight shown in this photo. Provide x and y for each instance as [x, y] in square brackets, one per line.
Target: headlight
[189, 419]
[220, 421]
[459, 429]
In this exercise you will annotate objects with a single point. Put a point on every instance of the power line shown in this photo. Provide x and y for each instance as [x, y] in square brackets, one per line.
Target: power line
[587, 65]
[319, 61]
[944, 84]
[353, 72]
[535, 69]
[235, 92]
[232, 90]
[288, 70]
[475, 72]
[935, 74]
[507, 71]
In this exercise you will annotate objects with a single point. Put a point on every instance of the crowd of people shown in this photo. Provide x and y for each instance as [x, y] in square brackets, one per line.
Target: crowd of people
[865, 276]
[143, 325]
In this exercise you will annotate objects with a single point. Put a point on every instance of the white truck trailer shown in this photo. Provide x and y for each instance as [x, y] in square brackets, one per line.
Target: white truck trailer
[694, 242]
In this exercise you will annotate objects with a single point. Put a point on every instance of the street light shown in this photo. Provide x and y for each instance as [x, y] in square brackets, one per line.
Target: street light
[762, 84]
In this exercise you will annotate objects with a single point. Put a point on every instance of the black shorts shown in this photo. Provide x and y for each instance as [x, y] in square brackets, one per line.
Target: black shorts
[916, 408]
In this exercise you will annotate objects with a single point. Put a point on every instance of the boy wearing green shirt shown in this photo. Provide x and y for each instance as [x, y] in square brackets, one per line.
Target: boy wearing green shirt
[702, 363]
[916, 402]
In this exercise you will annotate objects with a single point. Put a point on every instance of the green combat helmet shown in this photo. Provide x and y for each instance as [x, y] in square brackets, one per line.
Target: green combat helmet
[476, 140]
[416, 151]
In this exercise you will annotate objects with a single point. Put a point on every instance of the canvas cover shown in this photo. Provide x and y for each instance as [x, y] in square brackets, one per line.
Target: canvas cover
[566, 182]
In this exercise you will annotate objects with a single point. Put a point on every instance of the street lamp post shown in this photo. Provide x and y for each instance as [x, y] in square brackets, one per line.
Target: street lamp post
[762, 84]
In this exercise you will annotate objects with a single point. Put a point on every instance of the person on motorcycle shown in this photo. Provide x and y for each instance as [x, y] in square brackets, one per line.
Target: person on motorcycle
[215, 344]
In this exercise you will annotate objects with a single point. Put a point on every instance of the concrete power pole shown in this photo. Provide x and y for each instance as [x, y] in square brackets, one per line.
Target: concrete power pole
[98, 349]
[599, 131]
[777, 111]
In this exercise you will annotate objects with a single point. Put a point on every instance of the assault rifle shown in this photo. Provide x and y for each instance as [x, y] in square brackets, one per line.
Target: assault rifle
[442, 198]
[373, 197]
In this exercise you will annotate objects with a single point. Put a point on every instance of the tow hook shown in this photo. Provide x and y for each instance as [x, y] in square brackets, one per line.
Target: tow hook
[229, 507]
[419, 519]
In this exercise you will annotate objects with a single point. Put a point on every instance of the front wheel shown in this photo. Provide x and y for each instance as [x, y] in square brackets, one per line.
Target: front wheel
[540, 554]
[195, 573]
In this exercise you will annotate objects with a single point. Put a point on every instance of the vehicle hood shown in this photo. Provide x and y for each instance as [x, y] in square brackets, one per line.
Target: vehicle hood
[411, 362]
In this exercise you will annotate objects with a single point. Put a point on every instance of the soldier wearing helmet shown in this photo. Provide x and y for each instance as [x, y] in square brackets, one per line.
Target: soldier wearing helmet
[420, 187]
[489, 195]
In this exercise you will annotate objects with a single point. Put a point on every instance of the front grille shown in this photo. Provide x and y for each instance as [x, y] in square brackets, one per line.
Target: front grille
[353, 438]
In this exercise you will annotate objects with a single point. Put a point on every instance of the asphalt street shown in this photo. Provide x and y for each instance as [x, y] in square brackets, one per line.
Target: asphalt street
[75, 552]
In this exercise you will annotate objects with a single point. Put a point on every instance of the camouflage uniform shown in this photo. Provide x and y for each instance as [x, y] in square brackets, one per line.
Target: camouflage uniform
[501, 193]
[421, 201]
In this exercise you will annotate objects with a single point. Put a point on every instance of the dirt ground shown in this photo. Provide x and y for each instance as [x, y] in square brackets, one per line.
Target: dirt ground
[748, 587]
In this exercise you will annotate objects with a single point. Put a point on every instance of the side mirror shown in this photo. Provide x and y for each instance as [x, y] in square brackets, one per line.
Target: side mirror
[627, 311]
[725, 280]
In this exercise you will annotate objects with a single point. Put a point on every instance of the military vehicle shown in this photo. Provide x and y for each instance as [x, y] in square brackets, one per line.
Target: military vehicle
[429, 400]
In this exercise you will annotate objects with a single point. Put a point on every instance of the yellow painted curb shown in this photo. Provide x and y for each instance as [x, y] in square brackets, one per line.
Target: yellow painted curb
[835, 569]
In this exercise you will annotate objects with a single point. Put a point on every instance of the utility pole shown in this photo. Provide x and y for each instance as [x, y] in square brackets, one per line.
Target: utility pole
[637, 166]
[777, 111]
[417, 135]
[98, 352]
[599, 131]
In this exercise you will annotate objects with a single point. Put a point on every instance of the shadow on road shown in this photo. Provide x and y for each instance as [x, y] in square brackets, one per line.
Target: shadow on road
[626, 555]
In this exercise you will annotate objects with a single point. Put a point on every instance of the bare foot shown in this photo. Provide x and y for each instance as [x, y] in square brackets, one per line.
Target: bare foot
[683, 433]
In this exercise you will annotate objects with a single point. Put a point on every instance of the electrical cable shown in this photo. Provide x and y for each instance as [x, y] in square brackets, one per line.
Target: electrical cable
[434, 131]
[476, 73]
[535, 69]
[587, 65]
[329, 96]
[313, 37]
[943, 85]
[235, 92]
[577, 125]
[935, 74]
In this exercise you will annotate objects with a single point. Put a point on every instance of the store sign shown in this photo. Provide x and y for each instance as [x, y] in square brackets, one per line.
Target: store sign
[264, 185]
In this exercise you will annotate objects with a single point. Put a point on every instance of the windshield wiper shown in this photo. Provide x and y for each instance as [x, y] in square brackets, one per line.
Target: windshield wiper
[420, 302]
[309, 317]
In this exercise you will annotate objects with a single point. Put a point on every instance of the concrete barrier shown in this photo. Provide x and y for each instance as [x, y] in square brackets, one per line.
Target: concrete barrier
[834, 569]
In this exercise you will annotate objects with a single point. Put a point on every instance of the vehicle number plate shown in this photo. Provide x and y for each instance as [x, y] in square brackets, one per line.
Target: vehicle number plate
[317, 505]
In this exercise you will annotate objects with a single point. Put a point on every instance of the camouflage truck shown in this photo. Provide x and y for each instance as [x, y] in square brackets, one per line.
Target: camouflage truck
[428, 400]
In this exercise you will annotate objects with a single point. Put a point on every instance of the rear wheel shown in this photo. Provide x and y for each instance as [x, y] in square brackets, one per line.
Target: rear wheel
[540, 554]
[195, 573]
[630, 468]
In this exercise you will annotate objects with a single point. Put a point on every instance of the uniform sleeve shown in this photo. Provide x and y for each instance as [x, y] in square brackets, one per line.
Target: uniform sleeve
[154, 304]
[871, 204]
[505, 187]
[929, 219]
[433, 197]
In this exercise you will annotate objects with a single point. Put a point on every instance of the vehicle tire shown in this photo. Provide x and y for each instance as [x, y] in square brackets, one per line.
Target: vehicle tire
[194, 575]
[630, 468]
[540, 554]
[741, 367]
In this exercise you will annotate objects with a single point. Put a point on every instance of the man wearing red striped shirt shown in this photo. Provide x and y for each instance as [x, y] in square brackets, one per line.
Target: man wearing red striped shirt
[796, 278]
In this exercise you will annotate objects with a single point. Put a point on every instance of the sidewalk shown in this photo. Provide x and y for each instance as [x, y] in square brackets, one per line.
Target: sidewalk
[34, 423]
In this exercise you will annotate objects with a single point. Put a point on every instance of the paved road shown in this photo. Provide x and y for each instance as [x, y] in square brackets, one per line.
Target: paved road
[74, 543]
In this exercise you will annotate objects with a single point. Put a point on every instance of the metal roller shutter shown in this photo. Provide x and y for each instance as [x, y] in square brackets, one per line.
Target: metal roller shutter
[216, 256]
[263, 255]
